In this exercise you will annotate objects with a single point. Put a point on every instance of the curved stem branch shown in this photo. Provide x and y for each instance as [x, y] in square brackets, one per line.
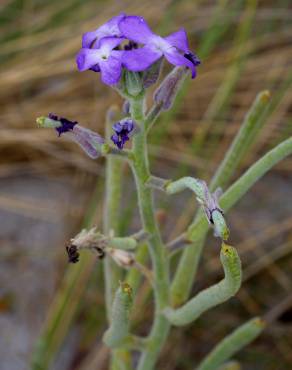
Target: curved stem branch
[213, 295]
[197, 231]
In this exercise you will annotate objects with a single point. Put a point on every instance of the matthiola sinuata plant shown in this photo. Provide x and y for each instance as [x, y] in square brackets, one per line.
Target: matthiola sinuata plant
[129, 57]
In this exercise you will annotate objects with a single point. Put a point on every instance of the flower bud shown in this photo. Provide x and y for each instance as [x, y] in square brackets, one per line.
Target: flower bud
[167, 91]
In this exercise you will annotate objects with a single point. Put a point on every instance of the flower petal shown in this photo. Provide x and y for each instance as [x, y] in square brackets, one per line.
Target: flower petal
[136, 29]
[174, 57]
[111, 70]
[109, 43]
[179, 40]
[140, 59]
[110, 28]
[87, 58]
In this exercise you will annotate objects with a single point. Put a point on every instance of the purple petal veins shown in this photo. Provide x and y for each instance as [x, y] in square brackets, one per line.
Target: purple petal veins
[88, 140]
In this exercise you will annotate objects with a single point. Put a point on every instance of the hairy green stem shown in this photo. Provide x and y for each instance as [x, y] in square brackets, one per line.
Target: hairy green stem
[157, 251]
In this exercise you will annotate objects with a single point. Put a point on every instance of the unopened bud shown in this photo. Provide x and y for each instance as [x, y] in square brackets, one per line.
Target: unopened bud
[167, 91]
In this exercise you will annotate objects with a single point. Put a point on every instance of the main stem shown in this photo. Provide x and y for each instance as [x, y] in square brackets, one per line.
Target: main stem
[140, 166]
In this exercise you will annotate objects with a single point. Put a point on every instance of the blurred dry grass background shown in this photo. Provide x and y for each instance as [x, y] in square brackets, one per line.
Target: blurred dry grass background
[47, 184]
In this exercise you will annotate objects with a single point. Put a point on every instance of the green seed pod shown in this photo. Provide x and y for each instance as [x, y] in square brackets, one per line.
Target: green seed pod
[119, 326]
[212, 296]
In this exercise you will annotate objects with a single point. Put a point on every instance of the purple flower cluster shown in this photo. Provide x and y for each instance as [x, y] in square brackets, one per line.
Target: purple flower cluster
[101, 49]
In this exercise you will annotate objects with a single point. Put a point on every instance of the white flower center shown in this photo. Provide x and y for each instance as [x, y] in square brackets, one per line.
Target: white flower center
[160, 44]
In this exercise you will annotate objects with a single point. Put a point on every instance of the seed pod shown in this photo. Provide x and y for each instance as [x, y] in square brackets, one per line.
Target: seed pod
[214, 295]
[121, 308]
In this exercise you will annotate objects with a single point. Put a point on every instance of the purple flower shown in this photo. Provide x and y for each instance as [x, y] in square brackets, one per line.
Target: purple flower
[174, 47]
[110, 28]
[122, 130]
[101, 57]
[89, 141]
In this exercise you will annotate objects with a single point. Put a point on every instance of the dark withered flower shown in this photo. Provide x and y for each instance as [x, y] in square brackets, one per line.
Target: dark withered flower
[122, 129]
[73, 254]
[88, 140]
